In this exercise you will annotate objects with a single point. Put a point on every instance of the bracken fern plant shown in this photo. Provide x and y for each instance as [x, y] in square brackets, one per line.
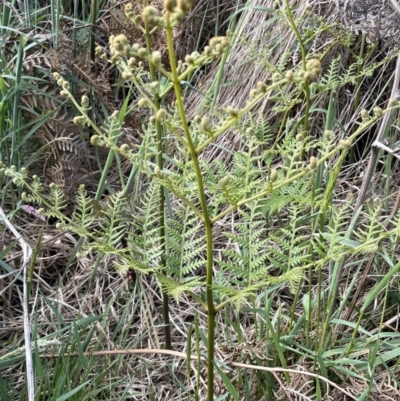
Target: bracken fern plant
[273, 188]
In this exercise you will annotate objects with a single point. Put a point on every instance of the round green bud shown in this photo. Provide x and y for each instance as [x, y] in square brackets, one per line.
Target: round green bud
[79, 120]
[142, 52]
[85, 101]
[253, 93]
[64, 94]
[207, 51]
[261, 87]
[124, 148]
[313, 162]
[329, 134]
[170, 5]
[393, 102]
[345, 143]
[190, 60]
[131, 62]
[314, 67]
[225, 181]
[149, 14]
[205, 124]
[185, 5]
[232, 112]
[364, 115]
[161, 115]
[156, 58]
[377, 112]
[119, 42]
[289, 75]
[142, 103]
[276, 77]
[126, 75]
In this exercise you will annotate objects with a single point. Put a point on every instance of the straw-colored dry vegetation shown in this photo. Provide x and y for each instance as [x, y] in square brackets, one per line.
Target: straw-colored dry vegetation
[249, 203]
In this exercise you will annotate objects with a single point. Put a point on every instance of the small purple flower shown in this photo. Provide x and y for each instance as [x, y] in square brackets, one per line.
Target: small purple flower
[33, 211]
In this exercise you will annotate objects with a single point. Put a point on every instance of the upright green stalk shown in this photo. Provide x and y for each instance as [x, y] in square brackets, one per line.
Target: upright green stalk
[161, 221]
[206, 218]
[306, 88]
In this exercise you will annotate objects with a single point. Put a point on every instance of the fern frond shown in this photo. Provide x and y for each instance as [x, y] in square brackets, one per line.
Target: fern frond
[176, 289]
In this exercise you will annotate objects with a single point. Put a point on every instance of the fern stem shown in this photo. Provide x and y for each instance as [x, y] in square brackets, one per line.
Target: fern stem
[161, 218]
[306, 87]
[206, 218]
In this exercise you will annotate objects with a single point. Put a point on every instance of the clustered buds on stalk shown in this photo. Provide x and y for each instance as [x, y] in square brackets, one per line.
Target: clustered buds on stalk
[64, 85]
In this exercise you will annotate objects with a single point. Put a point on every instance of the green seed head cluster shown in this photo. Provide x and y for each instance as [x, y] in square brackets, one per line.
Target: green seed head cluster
[393, 102]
